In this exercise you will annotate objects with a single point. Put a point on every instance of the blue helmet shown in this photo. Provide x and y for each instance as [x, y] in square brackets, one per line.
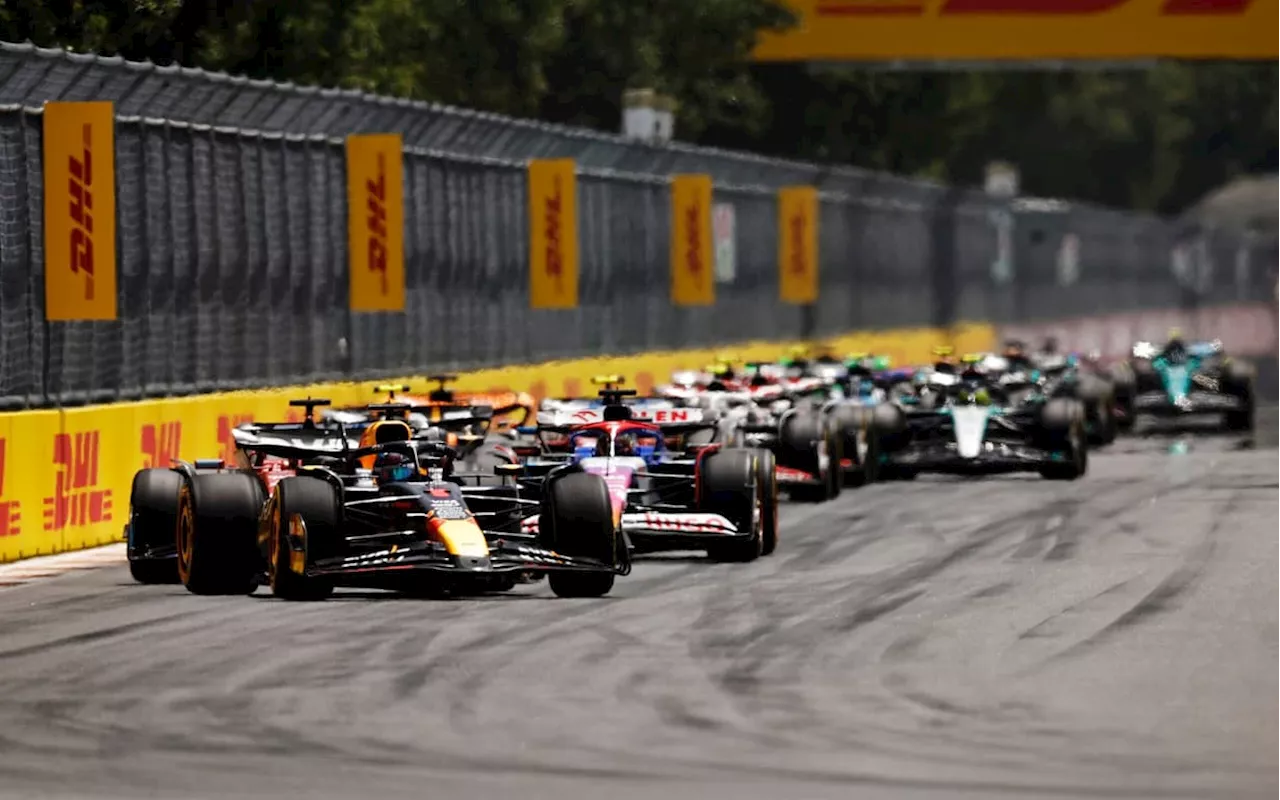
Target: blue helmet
[392, 467]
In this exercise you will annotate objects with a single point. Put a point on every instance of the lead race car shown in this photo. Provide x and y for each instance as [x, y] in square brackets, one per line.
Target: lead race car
[968, 424]
[665, 492]
[303, 510]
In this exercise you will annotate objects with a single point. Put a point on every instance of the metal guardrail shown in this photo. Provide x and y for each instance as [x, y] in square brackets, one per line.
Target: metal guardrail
[232, 219]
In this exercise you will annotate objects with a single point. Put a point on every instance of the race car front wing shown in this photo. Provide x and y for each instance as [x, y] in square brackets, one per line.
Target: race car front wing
[1158, 403]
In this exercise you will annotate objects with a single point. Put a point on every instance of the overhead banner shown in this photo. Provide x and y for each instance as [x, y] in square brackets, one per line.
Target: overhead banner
[79, 211]
[932, 30]
[375, 221]
[798, 245]
[692, 276]
[553, 234]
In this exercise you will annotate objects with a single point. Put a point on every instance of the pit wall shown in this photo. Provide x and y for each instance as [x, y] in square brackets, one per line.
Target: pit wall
[65, 474]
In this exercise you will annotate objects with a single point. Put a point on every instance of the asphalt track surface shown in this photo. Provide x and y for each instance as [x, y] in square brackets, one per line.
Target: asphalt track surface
[994, 638]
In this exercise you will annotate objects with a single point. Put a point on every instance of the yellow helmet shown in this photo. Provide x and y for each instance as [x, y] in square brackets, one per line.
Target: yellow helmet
[607, 380]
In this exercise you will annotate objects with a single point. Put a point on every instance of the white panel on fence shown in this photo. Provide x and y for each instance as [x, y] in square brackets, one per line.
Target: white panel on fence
[724, 225]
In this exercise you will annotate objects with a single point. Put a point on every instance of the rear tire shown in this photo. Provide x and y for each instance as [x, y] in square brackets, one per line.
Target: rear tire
[316, 502]
[1239, 383]
[1063, 424]
[806, 443]
[731, 487]
[577, 521]
[768, 484]
[218, 533]
[153, 520]
[858, 444]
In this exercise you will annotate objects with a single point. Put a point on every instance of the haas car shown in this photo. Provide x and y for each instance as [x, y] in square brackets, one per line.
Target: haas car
[664, 492]
[969, 425]
[1183, 379]
[303, 509]
[765, 409]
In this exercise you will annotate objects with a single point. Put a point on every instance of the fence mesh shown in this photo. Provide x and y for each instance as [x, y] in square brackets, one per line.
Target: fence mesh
[232, 244]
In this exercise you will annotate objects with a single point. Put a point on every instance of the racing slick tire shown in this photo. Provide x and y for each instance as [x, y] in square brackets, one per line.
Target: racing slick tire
[731, 485]
[1062, 423]
[858, 445]
[768, 477]
[153, 519]
[808, 443]
[1237, 381]
[217, 533]
[577, 520]
[1097, 397]
[315, 502]
[890, 424]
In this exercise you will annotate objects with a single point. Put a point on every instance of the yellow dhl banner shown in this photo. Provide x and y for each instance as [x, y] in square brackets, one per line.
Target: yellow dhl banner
[79, 211]
[927, 30]
[375, 221]
[553, 234]
[65, 475]
[798, 245]
[692, 278]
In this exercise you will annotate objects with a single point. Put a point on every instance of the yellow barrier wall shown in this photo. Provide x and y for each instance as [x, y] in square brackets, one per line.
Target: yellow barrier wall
[65, 475]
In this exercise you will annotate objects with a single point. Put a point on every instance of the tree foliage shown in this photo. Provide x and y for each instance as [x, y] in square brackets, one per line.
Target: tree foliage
[1155, 138]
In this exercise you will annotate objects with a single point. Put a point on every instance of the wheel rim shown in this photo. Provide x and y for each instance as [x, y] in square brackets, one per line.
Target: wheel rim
[273, 568]
[186, 535]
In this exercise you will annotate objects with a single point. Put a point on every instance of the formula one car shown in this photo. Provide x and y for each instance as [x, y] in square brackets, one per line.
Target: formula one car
[303, 511]
[973, 427]
[696, 497]
[474, 429]
[1187, 378]
[787, 415]
[1055, 374]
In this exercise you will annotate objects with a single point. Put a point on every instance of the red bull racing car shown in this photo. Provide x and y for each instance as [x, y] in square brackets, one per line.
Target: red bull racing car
[303, 509]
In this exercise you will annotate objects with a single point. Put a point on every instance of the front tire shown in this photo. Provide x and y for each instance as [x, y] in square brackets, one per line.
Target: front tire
[731, 487]
[314, 503]
[577, 521]
[217, 533]
[153, 520]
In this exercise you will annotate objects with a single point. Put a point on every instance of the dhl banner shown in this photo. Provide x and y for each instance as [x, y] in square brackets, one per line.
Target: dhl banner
[375, 221]
[692, 276]
[798, 244]
[65, 475]
[79, 211]
[927, 30]
[553, 234]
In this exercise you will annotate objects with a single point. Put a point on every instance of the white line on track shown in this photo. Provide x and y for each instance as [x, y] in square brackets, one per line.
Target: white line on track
[27, 570]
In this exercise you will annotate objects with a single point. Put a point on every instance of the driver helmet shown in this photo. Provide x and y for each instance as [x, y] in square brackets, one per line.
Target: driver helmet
[392, 467]
[624, 445]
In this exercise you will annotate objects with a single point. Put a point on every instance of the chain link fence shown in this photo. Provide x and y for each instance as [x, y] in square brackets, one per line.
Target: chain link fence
[232, 239]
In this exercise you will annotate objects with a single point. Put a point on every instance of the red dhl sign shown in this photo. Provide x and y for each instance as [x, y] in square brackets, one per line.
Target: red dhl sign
[927, 30]
[78, 498]
[376, 190]
[226, 424]
[160, 444]
[10, 510]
